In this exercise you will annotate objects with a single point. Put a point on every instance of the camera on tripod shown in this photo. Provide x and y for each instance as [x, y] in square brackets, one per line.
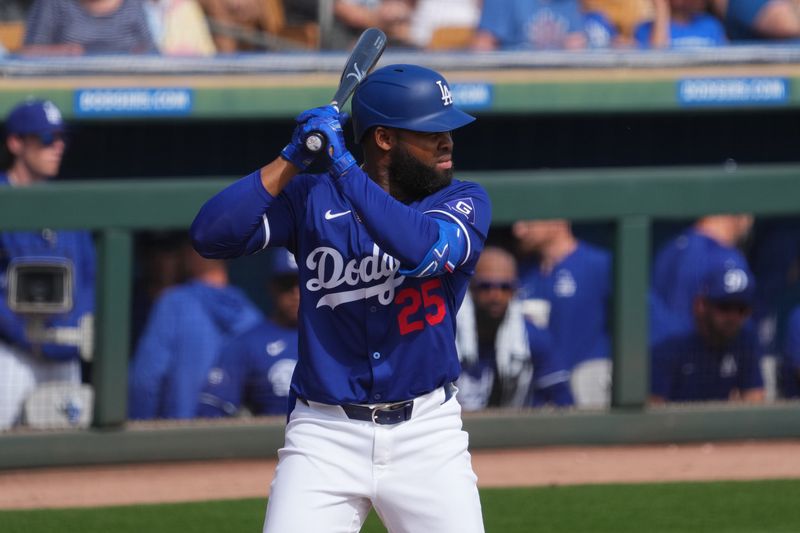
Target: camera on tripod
[40, 288]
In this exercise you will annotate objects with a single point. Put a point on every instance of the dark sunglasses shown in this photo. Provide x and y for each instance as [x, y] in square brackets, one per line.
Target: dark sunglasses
[486, 285]
[48, 138]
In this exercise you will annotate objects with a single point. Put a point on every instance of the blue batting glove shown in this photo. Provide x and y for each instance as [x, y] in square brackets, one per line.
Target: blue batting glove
[295, 152]
[330, 127]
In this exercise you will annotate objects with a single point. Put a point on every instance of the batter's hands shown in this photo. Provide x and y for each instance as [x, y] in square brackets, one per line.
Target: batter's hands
[326, 121]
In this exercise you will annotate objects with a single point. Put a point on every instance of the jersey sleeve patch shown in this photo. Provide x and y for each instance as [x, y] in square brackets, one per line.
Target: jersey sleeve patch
[464, 207]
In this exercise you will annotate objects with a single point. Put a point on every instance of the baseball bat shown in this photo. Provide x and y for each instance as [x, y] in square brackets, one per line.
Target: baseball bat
[365, 55]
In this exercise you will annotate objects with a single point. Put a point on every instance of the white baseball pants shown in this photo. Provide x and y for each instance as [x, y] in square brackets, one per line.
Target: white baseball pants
[417, 474]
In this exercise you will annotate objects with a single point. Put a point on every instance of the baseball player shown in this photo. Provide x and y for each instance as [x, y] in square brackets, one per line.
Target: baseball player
[35, 143]
[385, 251]
[185, 331]
[718, 359]
[255, 369]
[682, 263]
[565, 286]
[506, 360]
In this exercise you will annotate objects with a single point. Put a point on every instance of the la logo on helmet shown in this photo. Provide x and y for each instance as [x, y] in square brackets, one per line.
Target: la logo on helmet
[447, 97]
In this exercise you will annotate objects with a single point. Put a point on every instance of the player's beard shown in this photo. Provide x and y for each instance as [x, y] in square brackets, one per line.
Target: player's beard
[413, 178]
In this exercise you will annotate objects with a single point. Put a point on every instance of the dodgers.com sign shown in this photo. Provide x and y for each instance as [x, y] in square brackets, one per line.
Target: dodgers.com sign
[133, 102]
[472, 95]
[733, 91]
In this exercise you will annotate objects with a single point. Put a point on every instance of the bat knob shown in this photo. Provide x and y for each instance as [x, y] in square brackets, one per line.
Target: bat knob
[315, 142]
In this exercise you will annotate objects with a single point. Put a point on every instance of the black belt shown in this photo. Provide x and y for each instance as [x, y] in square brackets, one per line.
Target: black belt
[385, 413]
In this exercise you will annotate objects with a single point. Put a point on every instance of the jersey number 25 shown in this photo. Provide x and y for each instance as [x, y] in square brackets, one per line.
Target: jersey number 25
[412, 298]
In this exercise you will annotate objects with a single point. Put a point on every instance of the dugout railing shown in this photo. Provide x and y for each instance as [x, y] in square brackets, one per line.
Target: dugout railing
[631, 199]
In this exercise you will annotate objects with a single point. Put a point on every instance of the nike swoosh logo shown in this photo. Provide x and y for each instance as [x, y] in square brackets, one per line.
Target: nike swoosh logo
[331, 216]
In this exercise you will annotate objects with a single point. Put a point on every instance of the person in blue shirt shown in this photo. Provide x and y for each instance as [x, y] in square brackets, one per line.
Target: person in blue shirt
[681, 264]
[680, 24]
[255, 369]
[540, 25]
[565, 286]
[506, 360]
[719, 358]
[33, 150]
[185, 330]
[386, 251]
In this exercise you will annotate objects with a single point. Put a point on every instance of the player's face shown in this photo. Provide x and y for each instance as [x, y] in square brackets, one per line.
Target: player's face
[724, 320]
[493, 286]
[533, 235]
[42, 156]
[421, 163]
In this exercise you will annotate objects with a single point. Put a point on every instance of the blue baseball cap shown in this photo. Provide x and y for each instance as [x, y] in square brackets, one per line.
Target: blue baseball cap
[35, 117]
[729, 279]
[283, 263]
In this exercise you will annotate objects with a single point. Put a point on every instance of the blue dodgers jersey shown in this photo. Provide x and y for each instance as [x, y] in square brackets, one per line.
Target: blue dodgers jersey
[74, 246]
[367, 333]
[254, 370]
[685, 369]
[678, 271]
[576, 293]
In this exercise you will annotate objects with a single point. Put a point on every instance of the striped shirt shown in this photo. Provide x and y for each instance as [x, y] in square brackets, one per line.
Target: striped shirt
[124, 31]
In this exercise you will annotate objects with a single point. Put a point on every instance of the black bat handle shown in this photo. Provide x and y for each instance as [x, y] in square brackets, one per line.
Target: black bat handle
[315, 142]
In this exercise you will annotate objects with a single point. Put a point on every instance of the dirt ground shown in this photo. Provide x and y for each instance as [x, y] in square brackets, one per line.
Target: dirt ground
[191, 481]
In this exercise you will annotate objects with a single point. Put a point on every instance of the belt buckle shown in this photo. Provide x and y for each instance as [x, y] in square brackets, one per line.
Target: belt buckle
[378, 408]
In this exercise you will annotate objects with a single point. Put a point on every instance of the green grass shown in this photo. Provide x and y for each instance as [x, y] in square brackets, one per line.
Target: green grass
[731, 507]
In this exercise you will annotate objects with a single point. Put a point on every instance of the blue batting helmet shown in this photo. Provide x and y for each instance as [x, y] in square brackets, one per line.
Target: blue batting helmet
[408, 97]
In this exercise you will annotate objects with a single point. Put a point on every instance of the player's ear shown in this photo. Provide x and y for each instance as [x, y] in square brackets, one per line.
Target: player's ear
[385, 138]
[14, 144]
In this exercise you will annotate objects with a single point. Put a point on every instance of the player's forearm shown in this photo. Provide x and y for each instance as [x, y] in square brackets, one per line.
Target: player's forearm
[231, 223]
[403, 232]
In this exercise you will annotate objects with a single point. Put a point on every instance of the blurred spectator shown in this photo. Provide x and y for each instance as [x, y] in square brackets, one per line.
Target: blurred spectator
[506, 361]
[624, 16]
[682, 264]
[453, 21]
[681, 24]
[718, 358]
[254, 25]
[753, 20]
[351, 17]
[29, 356]
[541, 25]
[232, 20]
[565, 288]
[75, 27]
[185, 331]
[254, 371]
[179, 27]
